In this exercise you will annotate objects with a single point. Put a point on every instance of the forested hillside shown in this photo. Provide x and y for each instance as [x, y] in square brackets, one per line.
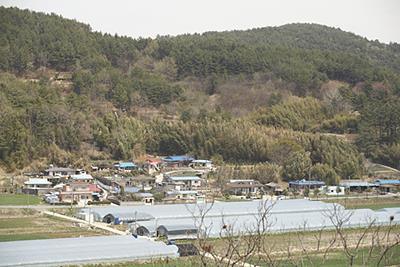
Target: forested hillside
[266, 96]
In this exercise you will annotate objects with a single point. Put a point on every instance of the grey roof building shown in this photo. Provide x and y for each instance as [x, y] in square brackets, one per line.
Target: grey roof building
[85, 250]
[285, 215]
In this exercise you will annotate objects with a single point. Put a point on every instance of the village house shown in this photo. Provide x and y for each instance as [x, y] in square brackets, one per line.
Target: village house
[110, 184]
[153, 165]
[357, 185]
[78, 192]
[36, 186]
[388, 186]
[81, 178]
[59, 172]
[243, 187]
[130, 189]
[146, 198]
[178, 161]
[78, 188]
[181, 195]
[125, 166]
[333, 190]
[201, 164]
[184, 182]
[300, 185]
[101, 166]
[144, 182]
[274, 189]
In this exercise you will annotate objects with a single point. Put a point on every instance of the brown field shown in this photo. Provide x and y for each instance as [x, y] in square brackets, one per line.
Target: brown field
[28, 224]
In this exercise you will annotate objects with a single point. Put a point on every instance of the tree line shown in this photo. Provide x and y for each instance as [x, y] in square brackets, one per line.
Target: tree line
[114, 77]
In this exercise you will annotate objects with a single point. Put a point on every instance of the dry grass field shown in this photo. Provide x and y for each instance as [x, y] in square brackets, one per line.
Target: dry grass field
[28, 224]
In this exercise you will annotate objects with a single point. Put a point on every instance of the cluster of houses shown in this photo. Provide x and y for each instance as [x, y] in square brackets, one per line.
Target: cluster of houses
[347, 186]
[65, 185]
[173, 178]
[253, 189]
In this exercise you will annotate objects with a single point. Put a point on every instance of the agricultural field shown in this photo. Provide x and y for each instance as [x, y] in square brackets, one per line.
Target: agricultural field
[29, 224]
[19, 199]
[374, 203]
[338, 258]
[335, 257]
[179, 262]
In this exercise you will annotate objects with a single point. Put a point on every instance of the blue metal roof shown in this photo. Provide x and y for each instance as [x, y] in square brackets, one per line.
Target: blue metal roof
[387, 182]
[131, 189]
[307, 182]
[127, 165]
[178, 158]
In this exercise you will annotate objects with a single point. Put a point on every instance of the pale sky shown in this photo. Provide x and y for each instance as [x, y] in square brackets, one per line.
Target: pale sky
[374, 19]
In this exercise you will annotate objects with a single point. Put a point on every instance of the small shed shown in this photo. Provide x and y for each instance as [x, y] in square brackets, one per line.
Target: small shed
[147, 198]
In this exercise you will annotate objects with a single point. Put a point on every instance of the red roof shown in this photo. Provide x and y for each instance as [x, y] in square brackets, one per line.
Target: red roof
[94, 188]
[153, 160]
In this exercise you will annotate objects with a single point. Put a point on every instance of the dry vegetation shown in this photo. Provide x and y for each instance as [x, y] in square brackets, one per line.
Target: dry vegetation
[374, 203]
[27, 224]
[372, 245]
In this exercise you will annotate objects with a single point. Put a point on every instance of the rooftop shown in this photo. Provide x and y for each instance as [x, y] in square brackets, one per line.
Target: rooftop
[126, 165]
[144, 195]
[37, 181]
[307, 182]
[131, 215]
[84, 250]
[131, 189]
[356, 183]
[218, 208]
[59, 169]
[182, 192]
[203, 161]
[178, 158]
[184, 178]
[82, 176]
[241, 181]
[387, 182]
[285, 215]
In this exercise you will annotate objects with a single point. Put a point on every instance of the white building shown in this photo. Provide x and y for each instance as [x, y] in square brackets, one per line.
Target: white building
[59, 172]
[201, 164]
[243, 187]
[184, 182]
[333, 190]
[181, 195]
[37, 186]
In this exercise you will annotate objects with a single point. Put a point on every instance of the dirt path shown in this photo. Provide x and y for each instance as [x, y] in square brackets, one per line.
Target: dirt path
[94, 224]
